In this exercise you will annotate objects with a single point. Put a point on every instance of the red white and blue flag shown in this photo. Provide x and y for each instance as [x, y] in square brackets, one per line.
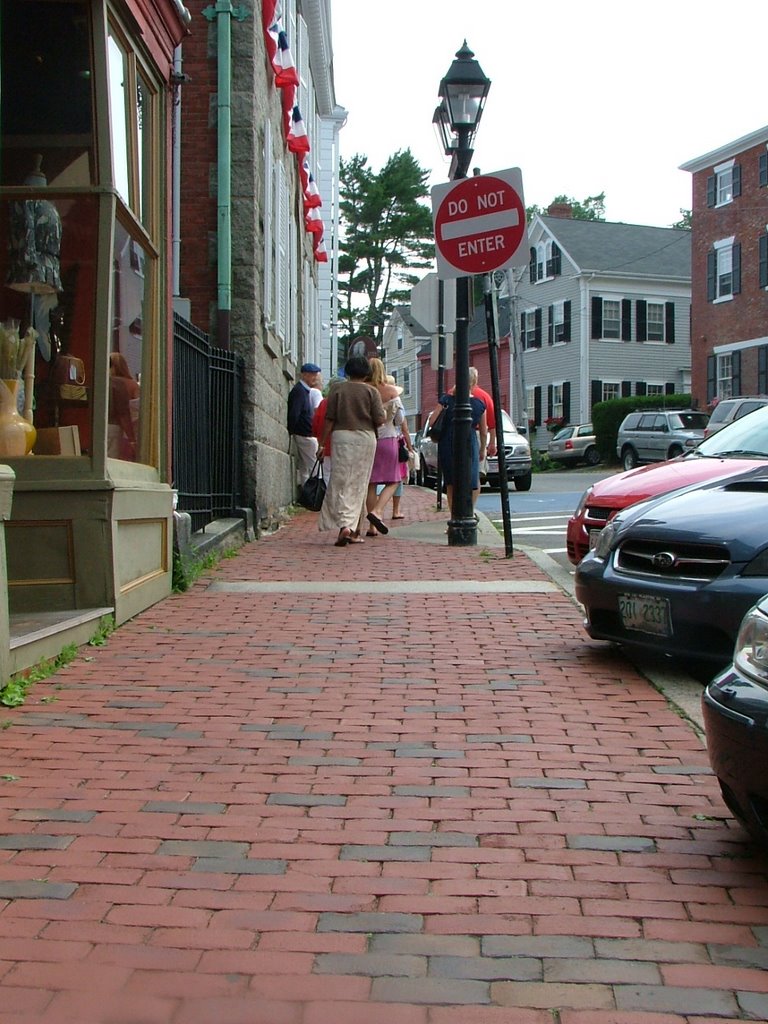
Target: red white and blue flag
[285, 69]
[298, 142]
[312, 195]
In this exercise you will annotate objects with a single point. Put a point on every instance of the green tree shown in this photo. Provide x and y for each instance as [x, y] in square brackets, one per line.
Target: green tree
[686, 220]
[386, 240]
[591, 208]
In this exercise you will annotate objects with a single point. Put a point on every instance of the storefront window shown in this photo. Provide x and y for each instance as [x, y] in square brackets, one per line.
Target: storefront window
[131, 128]
[129, 298]
[47, 267]
[46, 93]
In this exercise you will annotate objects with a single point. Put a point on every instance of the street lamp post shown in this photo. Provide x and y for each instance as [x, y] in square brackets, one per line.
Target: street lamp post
[462, 94]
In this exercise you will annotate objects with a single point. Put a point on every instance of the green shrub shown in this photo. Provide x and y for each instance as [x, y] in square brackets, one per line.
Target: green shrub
[607, 417]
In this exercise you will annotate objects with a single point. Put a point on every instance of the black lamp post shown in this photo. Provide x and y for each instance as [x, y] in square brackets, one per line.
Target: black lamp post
[462, 94]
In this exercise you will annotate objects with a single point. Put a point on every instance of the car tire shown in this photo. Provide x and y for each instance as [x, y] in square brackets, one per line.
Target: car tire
[523, 483]
[591, 456]
[674, 451]
[629, 459]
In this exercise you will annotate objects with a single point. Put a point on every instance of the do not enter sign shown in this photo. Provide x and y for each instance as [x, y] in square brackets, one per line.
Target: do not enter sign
[480, 224]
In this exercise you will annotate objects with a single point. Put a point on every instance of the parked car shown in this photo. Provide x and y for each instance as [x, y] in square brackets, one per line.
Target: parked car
[658, 434]
[676, 574]
[734, 449]
[517, 456]
[572, 445]
[730, 409]
[735, 707]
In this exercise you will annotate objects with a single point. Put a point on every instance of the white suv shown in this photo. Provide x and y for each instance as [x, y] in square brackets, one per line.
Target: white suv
[730, 409]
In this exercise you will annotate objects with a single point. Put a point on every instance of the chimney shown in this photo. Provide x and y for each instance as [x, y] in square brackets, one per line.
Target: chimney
[562, 210]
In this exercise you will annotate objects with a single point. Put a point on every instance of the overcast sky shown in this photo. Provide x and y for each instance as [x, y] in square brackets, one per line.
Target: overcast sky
[600, 96]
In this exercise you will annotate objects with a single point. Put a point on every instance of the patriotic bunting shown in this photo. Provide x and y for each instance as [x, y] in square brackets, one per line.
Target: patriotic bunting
[297, 141]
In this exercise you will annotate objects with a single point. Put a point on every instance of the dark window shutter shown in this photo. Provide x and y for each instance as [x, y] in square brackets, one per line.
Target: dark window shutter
[626, 319]
[669, 323]
[597, 317]
[550, 324]
[532, 266]
[641, 314]
[567, 401]
[763, 170]
[641, 388]
[567, 318]
[626, 389]
[736, 272]
[762, 260]
[762, 369]
[711, 190]
[711, 378]
[736, 180]
[537, 331]
[597, 391]
[523, 339]
[669, 388]
[736, 372]
[549, 399]
[711, 275]
[537, 405]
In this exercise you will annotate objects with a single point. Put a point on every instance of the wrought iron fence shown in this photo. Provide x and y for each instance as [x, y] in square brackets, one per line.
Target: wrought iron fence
[207, 466]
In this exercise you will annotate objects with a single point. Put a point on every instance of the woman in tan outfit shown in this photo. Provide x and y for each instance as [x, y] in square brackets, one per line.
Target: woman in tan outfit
[353, 415]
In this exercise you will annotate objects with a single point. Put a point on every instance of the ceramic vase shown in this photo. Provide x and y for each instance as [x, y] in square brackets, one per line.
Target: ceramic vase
[17, 436]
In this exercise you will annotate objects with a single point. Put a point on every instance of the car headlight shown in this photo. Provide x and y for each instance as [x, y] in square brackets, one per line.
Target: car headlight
[751, 651]
[758, 566]
[582, 503]
[606, 539]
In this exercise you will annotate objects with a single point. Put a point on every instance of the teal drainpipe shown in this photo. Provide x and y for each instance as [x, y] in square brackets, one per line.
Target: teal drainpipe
[223, 12]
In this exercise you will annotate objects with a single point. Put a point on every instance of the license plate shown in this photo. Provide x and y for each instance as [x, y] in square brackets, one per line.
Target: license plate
[594, 537]
[645, 614]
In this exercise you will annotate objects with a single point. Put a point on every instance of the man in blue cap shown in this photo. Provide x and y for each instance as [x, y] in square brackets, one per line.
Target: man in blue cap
[303, 398]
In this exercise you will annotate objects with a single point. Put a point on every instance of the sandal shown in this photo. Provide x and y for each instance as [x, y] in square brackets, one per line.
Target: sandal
[371, 533]
[345, 537]
[375, 521]
[398, 517]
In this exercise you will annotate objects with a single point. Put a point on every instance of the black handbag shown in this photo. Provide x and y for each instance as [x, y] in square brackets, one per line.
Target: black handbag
[402, 450]
[312, 491]
[435, 431]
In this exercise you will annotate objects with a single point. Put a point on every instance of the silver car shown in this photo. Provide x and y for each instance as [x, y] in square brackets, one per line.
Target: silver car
[572, 445]
[659, 434]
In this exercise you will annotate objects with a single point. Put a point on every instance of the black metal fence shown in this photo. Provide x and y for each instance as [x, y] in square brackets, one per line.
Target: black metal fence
[207, 466]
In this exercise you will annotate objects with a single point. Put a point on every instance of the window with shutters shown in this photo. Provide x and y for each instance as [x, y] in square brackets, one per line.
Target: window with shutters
[720, 271]
[407, 381]
[530, 405]
[556, 410]
[762, 261]
[655, 321]
[724, 376]
[611, 318]
[725, 184]
[655, 389]
[528, 325]
[559, 327]
[611, 390]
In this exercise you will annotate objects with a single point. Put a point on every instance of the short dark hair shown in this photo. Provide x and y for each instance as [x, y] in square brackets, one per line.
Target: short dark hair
[357, 368]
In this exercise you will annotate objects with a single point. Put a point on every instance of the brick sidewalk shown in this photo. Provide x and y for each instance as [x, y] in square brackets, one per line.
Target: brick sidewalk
[356, 802]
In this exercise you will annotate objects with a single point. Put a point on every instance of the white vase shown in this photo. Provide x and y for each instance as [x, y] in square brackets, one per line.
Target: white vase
[17, 435]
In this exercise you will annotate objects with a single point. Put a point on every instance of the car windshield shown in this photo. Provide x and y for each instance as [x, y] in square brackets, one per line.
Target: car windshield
[561, 435]
[746, 437]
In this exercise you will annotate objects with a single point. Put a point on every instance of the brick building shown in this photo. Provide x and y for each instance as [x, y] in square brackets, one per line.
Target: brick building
[729, 311]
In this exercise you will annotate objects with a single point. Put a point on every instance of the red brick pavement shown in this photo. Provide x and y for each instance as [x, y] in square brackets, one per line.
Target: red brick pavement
[364, 806]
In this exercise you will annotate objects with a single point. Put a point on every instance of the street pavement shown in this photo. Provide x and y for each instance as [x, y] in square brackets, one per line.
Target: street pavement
[392, 782]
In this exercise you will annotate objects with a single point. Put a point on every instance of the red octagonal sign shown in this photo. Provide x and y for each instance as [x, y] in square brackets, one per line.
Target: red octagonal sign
[479, 224]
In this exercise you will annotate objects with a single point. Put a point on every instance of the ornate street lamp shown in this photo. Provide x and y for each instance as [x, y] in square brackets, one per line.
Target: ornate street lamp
[462, 95]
